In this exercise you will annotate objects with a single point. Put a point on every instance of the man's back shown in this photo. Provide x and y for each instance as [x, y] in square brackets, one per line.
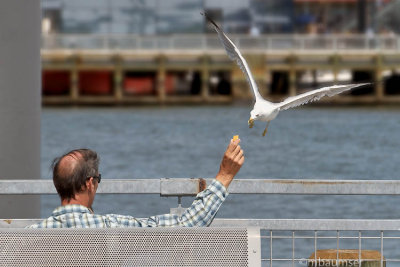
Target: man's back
[200, 213]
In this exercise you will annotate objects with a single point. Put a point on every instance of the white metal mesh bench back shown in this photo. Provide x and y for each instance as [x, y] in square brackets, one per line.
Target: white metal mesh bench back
[130, 247]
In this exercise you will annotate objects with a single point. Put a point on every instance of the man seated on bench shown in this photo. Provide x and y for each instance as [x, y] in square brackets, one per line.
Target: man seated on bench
[76, 178]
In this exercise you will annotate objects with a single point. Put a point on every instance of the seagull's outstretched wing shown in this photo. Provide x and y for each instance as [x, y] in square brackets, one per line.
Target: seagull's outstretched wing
[316, 95]
[235, 55]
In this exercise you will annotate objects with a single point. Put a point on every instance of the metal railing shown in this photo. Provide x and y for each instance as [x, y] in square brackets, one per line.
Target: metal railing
[284, 242]
[191, 186]
[203, 42]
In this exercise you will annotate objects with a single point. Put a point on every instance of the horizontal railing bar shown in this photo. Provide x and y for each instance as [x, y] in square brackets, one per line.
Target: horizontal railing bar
[325, 237]
[165, 187]
[329, 238]
[210, 42]
[190, 187]
[136, 186]
[288, 259]
[311, 186]
[312, 224]
[324, 259]
[327, 260]
[274, 224]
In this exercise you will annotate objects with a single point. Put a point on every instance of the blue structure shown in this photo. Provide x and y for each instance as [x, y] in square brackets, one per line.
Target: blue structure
[149, 17]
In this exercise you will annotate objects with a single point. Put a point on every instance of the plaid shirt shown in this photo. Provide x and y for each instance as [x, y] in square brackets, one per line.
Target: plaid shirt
[200, 213]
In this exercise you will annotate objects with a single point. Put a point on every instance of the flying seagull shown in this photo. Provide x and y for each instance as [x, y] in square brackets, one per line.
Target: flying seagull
[264, 110]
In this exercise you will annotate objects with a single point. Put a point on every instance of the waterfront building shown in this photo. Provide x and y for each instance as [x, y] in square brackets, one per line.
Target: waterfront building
[152, 17]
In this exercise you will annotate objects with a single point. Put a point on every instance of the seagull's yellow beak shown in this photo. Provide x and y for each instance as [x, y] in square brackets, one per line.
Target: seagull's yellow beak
[251, 123]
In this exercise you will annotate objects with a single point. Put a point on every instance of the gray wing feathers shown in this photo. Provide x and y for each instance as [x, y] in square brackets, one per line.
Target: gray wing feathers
[235, 55]
[316, 95]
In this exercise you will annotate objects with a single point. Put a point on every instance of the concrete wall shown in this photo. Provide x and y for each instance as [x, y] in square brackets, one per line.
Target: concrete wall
[20, 99]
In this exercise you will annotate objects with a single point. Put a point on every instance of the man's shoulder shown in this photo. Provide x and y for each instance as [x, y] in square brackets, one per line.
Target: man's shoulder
[46, 223]
[84, 220]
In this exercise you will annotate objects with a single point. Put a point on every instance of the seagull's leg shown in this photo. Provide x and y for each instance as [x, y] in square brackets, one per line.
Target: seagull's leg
[266, 129]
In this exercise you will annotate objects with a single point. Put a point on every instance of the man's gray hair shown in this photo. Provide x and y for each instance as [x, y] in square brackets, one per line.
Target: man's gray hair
[70, 176]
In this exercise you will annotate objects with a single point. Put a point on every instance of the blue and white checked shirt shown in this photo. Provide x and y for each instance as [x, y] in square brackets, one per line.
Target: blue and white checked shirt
[200, 213]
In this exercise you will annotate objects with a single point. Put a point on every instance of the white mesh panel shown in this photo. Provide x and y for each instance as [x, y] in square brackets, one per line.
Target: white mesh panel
[124, 247]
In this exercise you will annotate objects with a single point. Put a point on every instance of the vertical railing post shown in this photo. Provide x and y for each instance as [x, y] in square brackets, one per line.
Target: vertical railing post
[337, 247]
[315, 246]
[293, 250]
[270, 251]
[359, 248]
[381, 250]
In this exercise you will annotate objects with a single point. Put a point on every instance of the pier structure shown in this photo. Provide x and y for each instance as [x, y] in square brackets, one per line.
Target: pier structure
[129, 77]
[195, 69]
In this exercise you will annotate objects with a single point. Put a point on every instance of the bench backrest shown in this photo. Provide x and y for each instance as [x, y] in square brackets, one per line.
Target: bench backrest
[130, 247]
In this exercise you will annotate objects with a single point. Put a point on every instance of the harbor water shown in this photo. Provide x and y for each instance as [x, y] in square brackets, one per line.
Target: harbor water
[185, 141]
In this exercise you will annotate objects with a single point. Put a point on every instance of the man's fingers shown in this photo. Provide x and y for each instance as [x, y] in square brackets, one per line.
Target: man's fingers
[236, 151]
[241, 161]
[239, 155]
[232, 145]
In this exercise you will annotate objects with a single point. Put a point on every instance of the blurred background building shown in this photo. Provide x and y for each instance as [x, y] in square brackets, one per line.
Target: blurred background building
[151, 51]
[151, 17]
[165, 17]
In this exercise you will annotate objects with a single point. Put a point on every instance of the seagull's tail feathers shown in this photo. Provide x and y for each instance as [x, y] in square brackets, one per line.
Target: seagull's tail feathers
[316, 95]
[235, 55]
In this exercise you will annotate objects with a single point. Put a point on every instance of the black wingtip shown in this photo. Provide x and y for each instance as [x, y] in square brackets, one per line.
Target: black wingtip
[209, 19]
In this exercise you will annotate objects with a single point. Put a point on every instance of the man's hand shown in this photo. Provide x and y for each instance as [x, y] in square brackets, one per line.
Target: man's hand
[231, 163]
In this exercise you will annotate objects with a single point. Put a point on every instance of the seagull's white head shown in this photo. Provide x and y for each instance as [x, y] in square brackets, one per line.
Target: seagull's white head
[254, 114]
[263, 111]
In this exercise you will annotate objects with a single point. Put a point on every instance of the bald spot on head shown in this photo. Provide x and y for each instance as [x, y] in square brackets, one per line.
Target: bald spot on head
[68, 164]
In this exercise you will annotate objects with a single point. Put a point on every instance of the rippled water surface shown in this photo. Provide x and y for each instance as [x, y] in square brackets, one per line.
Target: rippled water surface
[306, 143]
